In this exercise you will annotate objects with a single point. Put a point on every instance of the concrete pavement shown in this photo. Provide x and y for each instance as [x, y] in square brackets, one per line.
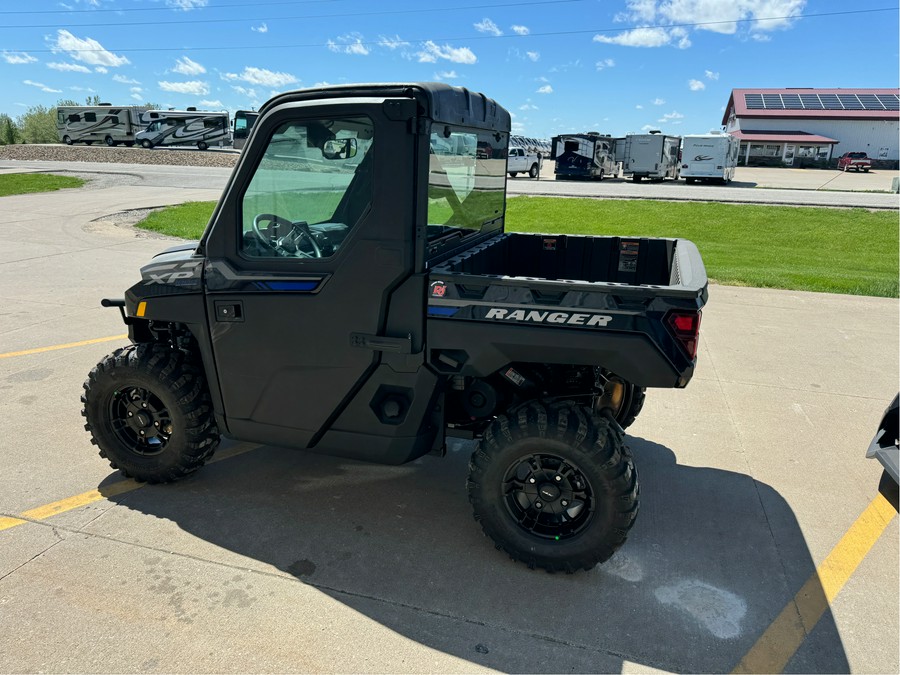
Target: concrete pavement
[278, 561]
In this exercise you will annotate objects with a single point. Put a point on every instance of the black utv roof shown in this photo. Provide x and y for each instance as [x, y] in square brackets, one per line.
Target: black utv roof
[437, 101]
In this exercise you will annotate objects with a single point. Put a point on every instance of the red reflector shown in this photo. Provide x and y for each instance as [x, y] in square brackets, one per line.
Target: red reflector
[686, 327]
[684, 323]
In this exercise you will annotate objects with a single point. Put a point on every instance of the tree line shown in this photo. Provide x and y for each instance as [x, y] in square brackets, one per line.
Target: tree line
[38, 123]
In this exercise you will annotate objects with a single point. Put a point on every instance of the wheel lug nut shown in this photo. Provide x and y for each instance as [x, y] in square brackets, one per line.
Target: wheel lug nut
[538, 505]
[131, 414]
[558, 478]
[143, 405]
[142, 433]
[531, 480]
[156, 424]
[565, 503]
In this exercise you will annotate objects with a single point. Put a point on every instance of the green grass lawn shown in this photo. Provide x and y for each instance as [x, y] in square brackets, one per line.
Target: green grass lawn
[23, 183]
[852, 251]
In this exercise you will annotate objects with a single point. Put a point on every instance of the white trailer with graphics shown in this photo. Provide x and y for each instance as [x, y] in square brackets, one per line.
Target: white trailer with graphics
[653, 156]
[589, 155]
[185, 127]
[104, 123]
[709, 157]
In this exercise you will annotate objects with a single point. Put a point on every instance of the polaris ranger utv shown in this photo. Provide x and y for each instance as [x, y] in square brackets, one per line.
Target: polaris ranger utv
[354, 293]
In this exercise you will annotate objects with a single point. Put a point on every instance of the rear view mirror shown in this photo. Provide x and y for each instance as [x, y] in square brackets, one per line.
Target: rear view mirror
[343, 148]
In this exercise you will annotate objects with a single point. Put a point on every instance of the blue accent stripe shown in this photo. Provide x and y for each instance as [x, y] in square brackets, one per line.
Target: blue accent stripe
[292, 285]
[442, 311]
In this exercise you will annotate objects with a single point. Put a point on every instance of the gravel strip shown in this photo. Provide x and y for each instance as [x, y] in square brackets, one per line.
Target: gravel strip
[117, 155]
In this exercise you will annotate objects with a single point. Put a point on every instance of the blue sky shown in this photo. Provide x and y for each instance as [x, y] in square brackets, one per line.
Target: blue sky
[613, 66]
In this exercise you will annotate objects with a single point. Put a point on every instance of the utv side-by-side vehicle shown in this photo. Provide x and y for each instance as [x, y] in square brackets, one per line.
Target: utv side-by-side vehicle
[355, 294]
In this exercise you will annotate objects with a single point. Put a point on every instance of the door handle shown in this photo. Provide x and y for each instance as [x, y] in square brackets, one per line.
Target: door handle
[229, 311]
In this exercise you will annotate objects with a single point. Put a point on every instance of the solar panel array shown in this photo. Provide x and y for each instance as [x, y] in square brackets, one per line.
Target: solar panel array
[822, 101]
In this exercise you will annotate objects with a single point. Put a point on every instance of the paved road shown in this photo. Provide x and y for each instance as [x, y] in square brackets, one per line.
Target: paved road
[275, 561]
[743, 190]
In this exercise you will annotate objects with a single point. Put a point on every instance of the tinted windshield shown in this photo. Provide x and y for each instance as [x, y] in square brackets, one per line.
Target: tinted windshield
[466, 182]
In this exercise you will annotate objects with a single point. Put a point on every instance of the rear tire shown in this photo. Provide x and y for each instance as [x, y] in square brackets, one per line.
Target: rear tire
[636, 179]
[554, 486]
[110, 142]
[513, 174]
[533, 171]
[202, 145]
[67, 140]
[148, 409]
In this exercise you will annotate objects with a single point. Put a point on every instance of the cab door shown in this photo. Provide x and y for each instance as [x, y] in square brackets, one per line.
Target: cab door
[314, 233]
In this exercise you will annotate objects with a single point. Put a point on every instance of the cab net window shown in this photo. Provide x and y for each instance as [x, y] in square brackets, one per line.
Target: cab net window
[466, 183]
[313, 184]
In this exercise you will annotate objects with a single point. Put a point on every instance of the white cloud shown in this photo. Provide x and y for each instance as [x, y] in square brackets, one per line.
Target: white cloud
[520, 30]
[101, 69]
[244, 91]
[392, 43]
[352, 43]
[121, 79]
[648, 127]
[42, 87]
[725, 18]
[659, 101]
[185, 66]
[696, 85]
[86, 50]
[194, 87]
[215, 105]
[672, 117]
[487, 26]
[262, 77]
[187, 5]
[528, 106]
[18, 58]
[446, 75]
[87, 89]
[639, 107]
[69, 67]
[534, 56]
[546, 89]
[605, 63]
[710, 75]
[137, 97]
[517, 128]
[638, 37]
[136, 90]
[262, 28]
[432, 51]
[761, 37]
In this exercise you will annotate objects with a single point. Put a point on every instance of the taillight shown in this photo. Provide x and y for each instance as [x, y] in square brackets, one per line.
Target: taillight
[686, 328]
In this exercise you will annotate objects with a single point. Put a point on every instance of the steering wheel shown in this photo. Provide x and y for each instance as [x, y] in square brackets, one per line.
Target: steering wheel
[289, 244]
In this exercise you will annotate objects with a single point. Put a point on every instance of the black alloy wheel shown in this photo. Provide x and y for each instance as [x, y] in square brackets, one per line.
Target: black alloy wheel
[140, 420]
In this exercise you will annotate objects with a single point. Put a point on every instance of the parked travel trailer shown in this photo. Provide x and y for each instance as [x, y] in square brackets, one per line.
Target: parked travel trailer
[652, 155]
[184, 127]
[242, 124]
[709, 157]
[102, 123]
[584, 156]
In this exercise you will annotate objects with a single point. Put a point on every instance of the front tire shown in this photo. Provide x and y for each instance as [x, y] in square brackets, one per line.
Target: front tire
[554, 486]
[110, 142]
[146, 144]
[148, 409]
[513, 174]
[68, 140]
[202, 145]
[533, 171]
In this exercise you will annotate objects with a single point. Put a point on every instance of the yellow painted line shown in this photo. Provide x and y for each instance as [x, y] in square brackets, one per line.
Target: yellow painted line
[105, 492]
[783, 637]
[69, 345]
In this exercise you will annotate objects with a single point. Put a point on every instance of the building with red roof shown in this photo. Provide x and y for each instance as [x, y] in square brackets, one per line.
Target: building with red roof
[807, 127]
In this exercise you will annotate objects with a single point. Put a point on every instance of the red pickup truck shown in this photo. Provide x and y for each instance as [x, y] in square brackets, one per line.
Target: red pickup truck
[854, 160]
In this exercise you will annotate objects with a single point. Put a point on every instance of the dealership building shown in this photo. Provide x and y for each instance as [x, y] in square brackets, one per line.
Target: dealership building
[810, 127]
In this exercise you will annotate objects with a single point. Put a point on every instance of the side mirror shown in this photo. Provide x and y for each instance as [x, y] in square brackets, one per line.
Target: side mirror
[343, 148]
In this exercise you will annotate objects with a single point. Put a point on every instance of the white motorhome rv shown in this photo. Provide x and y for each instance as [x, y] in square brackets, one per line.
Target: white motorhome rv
[102, 123]
[184, 127]
[584, 156]
[709, 157]
[652, 155]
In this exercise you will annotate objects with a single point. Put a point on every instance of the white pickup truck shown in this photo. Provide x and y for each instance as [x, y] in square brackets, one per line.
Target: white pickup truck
[521, 160]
